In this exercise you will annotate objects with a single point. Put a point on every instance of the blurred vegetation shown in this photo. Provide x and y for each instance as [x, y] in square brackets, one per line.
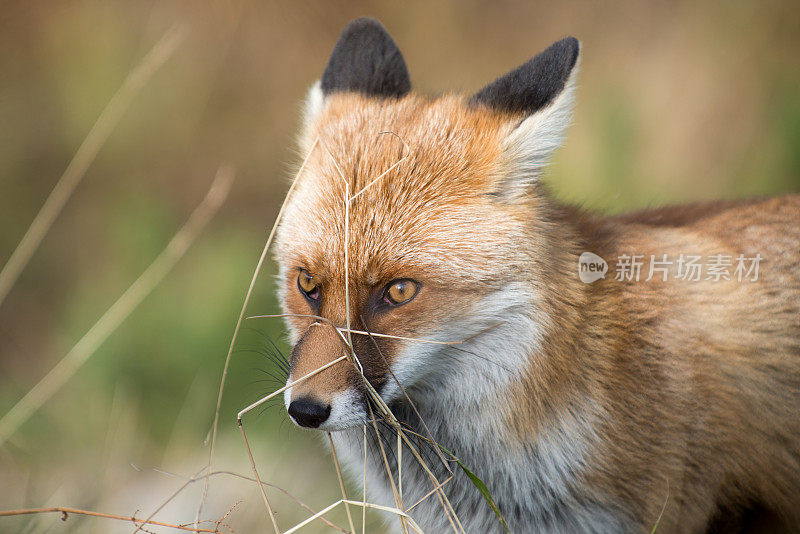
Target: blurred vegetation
[678, 101]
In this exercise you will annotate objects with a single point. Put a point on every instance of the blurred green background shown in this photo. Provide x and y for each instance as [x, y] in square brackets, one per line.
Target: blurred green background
[677, 101]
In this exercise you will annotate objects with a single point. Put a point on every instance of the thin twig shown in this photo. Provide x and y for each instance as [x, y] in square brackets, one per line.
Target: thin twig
[167, 501]
[251, 479]
[330, 507]
[121, 309]
[66, 511]
[258, 479]
[94, 141]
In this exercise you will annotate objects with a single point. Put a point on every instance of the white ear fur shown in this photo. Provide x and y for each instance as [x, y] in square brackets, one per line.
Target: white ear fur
[312, 107]
[529, 146]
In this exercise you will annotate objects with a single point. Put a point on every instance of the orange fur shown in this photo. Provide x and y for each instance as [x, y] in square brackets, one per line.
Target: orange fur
[692, 388]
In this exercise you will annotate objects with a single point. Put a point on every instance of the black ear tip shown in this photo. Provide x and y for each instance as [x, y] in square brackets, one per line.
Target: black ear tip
[568, 47]
[366, 31]
[366, 60]
[533, 84]
[363, 24]
[571, 43]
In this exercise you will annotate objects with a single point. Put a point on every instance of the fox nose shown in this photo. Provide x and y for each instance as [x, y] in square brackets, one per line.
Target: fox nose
[309, 413]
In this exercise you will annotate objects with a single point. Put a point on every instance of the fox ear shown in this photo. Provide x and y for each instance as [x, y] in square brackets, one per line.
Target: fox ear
[366, 60]
[540, 92]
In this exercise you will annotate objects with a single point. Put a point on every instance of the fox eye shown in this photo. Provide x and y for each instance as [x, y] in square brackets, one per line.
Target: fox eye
[400, 291]
[308, 286]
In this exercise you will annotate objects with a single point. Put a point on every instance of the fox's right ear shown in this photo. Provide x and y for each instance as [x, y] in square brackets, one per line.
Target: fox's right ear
[537, 97]
[365, 60]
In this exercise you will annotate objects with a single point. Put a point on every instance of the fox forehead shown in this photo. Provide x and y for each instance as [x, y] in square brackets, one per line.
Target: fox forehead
[419, 173]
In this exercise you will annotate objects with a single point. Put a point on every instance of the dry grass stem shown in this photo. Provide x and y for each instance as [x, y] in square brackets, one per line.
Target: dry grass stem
[215, 424]
[303, 505]
[364, 486]
[258, 480]
[330, 507]
[66, 511]
[314, 517]
[431, 492]
[364, 333]
[406, 153]
[316, 371]
[94, 141]
[388, 469]
[411, 403]
[663, 509]
[346, 200]
[341, 484]
[395, 511]
[121, 309]
[167, 501]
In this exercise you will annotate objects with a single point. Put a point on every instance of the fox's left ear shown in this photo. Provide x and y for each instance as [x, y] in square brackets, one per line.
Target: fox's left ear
[538, 97]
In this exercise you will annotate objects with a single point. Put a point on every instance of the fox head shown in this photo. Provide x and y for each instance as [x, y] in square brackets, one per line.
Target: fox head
[417, 222]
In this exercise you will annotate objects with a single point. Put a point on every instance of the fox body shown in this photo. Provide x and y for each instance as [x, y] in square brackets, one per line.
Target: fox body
[421, 224]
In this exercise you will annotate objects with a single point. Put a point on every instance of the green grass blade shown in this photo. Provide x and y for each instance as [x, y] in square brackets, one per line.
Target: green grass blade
[478, 483]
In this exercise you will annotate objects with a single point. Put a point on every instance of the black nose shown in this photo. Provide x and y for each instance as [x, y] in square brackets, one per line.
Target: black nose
[309, 413]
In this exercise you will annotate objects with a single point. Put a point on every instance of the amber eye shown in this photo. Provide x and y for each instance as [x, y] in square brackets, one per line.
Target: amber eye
[400, 291]
[308, 286]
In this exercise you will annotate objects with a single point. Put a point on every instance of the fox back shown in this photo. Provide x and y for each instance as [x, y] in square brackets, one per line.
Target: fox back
[423, 261]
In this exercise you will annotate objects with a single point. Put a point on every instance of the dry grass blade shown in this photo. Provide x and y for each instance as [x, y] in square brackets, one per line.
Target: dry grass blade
[410, 402]
[318, 515]
[330, 507]
[373, 334]
[410, 520]
[364, 486]
[406, 153]
[251, 479]
[167, 501]
[431, 492]
[346, 200]
[258, 479]
[386, 466]
[215, 425]
[316, 371]
[386, 413]
[341, 484]
[121, 309]
[66, 511]
[86, 153]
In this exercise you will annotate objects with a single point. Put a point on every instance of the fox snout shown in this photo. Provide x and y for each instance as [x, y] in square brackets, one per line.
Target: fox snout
[331, 398]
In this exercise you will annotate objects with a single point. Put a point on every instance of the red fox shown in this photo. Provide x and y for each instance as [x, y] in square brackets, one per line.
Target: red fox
[511, 327]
